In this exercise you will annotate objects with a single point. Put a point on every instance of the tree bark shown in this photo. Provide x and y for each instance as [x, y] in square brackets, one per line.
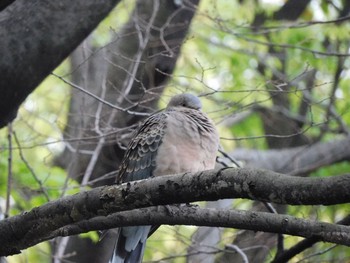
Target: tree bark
[297, 160]
[187, 215]
[21, 231]
[35, 39]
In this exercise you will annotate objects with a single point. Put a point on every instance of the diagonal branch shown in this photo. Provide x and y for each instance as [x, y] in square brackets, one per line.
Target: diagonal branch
[35, 40]
[304, 244]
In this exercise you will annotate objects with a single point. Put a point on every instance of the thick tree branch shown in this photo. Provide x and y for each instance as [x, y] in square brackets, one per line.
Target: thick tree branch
[191, 215]
[183, 188]
[35, 39]
[297, 160]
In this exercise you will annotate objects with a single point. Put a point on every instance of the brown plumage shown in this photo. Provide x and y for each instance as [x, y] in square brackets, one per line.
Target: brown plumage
[180, 139]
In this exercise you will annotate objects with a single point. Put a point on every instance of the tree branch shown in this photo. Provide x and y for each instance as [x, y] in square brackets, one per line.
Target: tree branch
[35, 39]
[193, 215]
[297, 160]
[303, 245]
[183, 188]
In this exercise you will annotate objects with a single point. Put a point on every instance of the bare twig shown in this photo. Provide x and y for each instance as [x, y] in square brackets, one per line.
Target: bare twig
[142, 46]
[100, 143]
[239, 251]
[303, 245]
[98, 98]
[36, 178]
[9, 170]
[270, 135]
[318, 253]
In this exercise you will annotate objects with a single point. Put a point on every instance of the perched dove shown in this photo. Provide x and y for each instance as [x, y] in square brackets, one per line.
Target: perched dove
[180, 139]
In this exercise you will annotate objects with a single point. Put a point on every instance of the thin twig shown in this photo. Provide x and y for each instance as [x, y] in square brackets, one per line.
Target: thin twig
[101, 141]
[61, 247]
[36, 178]
[9, 170]
[303, 245]
[318, 253]
[232, 159]
[98, 98]
[239, 251]
[142, 46]
[270, 135]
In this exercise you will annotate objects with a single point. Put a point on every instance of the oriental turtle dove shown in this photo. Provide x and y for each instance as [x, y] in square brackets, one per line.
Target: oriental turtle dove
[179, 139]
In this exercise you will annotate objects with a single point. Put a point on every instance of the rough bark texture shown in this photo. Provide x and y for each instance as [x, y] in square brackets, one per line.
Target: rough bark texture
[182, 215]
[21, 231]
[35, 39]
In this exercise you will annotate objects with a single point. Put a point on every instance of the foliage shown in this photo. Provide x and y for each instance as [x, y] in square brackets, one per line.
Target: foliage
[237, 69]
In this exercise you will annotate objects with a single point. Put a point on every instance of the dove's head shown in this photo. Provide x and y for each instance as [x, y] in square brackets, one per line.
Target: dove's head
[185, 100]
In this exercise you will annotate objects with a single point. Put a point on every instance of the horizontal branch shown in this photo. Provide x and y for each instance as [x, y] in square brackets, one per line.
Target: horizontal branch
[183, 188]
[296, 160]
[193, 215]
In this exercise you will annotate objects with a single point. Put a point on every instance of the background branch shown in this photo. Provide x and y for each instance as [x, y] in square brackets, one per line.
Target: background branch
[297, 160]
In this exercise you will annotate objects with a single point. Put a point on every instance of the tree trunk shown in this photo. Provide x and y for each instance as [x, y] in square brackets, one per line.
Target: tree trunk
[130, 73]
